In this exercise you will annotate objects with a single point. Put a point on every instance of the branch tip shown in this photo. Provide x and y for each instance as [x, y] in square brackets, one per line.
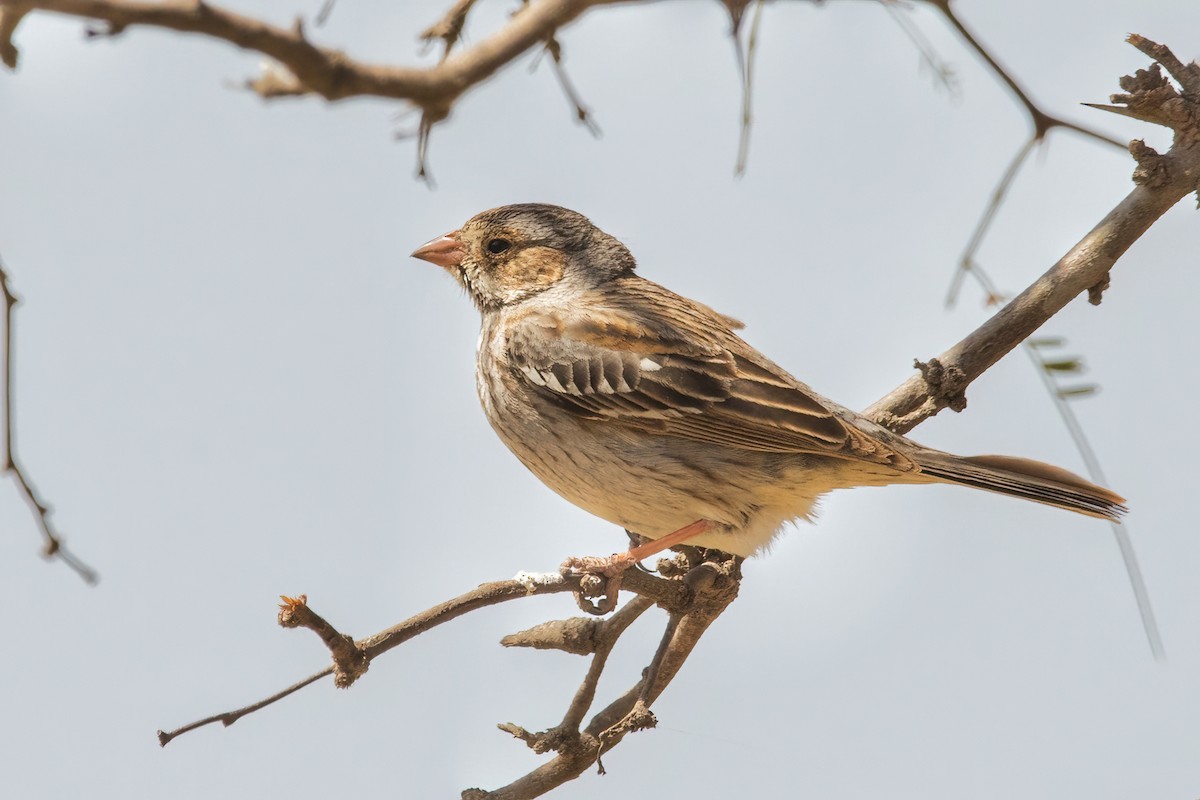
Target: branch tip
[578, 635]
[350, 662]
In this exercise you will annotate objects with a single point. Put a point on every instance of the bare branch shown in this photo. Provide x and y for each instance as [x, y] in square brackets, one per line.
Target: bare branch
[227, 718]
[1043, 123]
[746, 66]
[602, 635]
[54, 547]
[327, 72]
[714, 586]
[943, 73]
[967, 259]
[670, 593]
[349, 661]
[583, 114]
[1086, 265]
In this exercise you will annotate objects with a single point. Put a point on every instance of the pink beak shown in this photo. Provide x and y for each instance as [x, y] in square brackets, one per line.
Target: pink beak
[445, 251]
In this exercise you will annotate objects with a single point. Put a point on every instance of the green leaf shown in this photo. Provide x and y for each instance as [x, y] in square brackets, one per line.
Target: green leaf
[1064, 365]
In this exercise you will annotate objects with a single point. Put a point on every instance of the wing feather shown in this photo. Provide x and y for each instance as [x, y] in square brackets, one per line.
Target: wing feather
[651, 359]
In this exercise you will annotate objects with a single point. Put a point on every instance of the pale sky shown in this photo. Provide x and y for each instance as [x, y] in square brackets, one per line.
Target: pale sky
[233, 383]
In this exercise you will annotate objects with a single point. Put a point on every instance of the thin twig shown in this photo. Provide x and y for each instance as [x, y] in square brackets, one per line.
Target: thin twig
[942, 71]
[488, 594]
[610, 631]
[54, 547]
[227, 718]
[1092, 464]
[565, 736]
[714, 586]
[583, 114]
[985, 222]
[1120, 530]
[1042, 122]
[323, 15]
[746, 66]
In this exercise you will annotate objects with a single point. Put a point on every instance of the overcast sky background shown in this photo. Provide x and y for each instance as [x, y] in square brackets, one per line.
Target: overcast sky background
[233, 383]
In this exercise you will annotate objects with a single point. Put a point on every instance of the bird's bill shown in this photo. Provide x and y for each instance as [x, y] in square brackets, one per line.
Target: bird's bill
[446, 251]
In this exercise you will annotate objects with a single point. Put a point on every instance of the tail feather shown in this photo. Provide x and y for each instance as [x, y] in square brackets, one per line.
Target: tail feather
[1031, 480]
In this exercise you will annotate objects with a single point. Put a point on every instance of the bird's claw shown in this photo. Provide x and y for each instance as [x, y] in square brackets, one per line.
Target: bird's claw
[600, 577]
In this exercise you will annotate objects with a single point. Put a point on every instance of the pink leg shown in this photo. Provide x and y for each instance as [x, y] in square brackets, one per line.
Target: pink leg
[615, 565]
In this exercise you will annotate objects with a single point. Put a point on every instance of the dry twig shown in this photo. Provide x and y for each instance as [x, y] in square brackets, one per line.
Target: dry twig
[1162, 181]
[54, 547]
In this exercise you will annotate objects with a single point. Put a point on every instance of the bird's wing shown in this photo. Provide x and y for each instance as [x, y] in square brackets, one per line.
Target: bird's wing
[658, 362]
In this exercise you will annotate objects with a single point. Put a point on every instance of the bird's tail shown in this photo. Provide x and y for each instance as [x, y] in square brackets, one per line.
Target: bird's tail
[1022, 477]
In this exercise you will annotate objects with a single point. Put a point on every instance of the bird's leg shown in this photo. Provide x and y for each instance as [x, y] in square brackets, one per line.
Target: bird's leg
[613, 567]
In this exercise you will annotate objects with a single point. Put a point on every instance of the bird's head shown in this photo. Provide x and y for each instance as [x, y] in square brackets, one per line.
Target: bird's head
[511, 253]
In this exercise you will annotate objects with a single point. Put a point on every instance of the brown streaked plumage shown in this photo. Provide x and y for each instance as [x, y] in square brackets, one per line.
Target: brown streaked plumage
[647, 409]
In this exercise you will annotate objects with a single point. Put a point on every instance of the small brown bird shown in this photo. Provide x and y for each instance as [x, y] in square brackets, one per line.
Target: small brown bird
[646, 409]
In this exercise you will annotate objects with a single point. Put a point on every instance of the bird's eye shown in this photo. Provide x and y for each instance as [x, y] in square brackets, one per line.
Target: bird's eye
[498, 245]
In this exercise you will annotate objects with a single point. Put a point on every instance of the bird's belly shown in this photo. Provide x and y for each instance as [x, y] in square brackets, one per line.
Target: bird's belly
[653, 485]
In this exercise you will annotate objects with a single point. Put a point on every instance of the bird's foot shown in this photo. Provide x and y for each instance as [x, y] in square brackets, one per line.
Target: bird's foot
[600, 577]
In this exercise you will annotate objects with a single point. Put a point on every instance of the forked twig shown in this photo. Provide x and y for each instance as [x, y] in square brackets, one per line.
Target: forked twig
[54, 547]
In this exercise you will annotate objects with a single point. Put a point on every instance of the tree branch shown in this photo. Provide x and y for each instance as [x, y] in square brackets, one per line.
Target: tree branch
[1162, 181]
[311, 69]
[54, 547]
[1043, 123]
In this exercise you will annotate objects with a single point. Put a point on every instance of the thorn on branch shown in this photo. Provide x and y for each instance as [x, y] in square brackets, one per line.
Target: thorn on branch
[350, 662]
[583, 114]
[449, 28]
[946, 385]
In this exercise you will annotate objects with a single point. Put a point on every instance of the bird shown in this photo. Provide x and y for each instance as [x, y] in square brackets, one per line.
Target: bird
[648, 410]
